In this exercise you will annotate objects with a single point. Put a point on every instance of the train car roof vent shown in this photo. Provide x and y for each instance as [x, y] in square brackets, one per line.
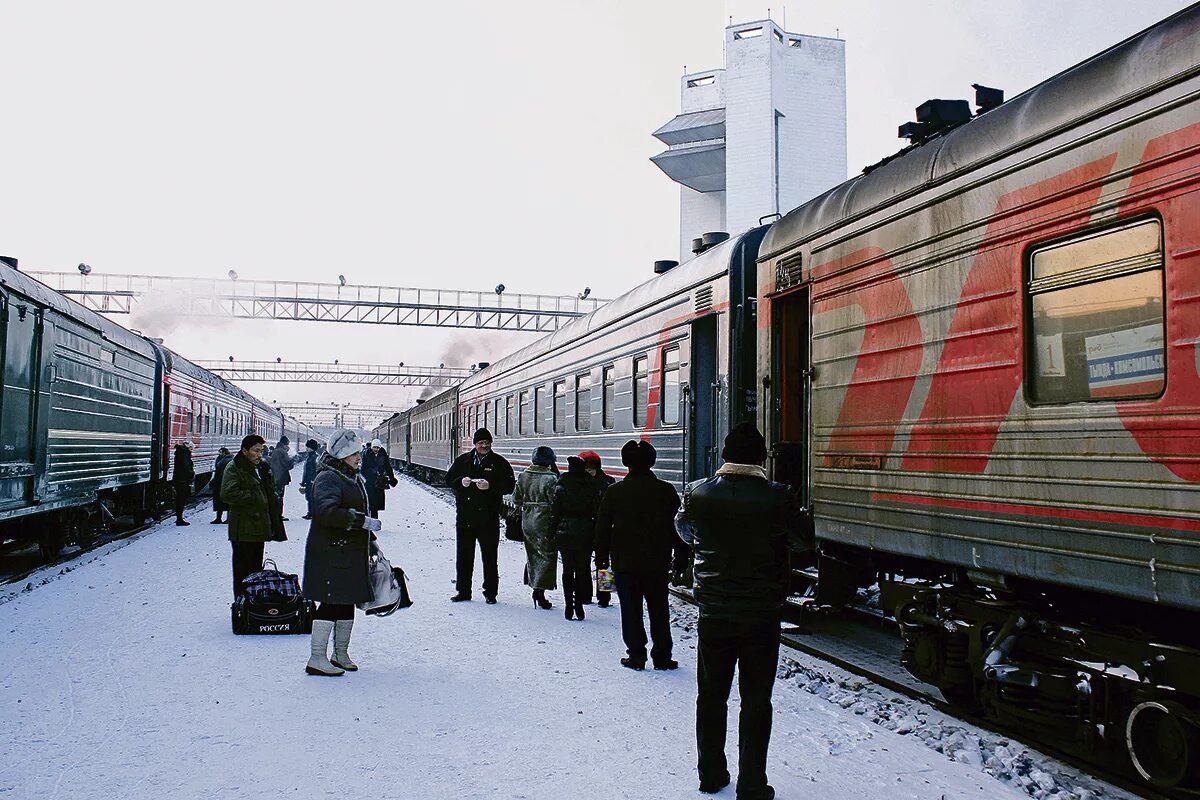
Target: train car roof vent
[934, 117]
[484, 364]
[986, 98]
[664, 266]
[10, 261]
[697, 245]
[713, 238]
[420, 400]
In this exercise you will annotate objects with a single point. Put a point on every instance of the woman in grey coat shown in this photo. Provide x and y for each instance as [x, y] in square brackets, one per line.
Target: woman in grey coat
[534, 499]
[336, 572]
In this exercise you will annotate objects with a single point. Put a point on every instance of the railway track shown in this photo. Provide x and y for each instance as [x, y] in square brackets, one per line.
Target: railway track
[17, 565]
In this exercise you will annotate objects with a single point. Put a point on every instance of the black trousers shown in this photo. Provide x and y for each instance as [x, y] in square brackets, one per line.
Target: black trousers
[753, 647]
[183, 493]
[334, 611]
[576, 574]
[247, 558]
[634, 588]
[487, 534]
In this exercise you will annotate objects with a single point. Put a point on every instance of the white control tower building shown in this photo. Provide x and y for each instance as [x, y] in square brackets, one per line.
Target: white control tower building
[760, 136]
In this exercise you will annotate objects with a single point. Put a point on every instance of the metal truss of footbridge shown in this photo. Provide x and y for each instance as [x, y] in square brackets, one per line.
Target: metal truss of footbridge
[335, 372]
[320, 302]
[337, 415]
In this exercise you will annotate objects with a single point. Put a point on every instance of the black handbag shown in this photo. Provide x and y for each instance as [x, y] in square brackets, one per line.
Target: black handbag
[512, 527]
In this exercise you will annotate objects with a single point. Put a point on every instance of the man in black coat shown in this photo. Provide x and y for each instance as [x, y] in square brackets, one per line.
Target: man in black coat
[741, 528]
[182, 479]
[635, 526]
[219, 506]
[378, 475]
[480, 479]
[311, 460]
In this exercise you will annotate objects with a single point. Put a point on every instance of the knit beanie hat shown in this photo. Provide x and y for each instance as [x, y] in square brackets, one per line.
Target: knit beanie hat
[344, 443]
[575, 465]
[638, 455]
[376, 443]
[745, 445]
[543, 456]
[481, 435]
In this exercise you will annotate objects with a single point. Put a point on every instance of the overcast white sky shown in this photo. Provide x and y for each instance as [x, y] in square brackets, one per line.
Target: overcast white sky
[426, 144]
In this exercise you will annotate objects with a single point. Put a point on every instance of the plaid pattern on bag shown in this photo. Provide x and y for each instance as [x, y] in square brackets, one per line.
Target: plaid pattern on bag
[270, 585]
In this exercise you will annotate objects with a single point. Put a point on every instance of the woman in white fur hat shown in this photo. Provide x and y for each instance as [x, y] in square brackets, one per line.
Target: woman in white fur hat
[336, 573]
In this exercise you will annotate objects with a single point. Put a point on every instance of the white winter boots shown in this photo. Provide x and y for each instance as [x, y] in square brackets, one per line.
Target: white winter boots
[318, 662]
[341, 644]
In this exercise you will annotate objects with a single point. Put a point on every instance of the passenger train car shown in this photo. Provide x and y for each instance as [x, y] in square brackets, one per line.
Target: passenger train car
[671, 362]
[90, 413]
[980, 369]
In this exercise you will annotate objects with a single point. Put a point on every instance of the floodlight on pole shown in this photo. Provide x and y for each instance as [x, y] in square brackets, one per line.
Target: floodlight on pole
[84, 269]
[232, 275]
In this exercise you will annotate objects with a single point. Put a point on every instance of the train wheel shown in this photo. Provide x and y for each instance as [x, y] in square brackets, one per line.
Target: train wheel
[960, 695]
[50, 542]
[1162, 744]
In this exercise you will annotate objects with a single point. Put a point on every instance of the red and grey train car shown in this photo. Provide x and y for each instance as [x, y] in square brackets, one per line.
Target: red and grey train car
[90, 413]
[980, 369]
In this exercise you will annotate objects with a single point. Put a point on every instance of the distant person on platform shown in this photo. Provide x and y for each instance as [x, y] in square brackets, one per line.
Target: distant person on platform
[311, 461]
[255, 515]
[377, 474]
[636, 528]
[281, 468]
[223, 459]
[336, 553]
[741, 527]
[182, 479]
[595, 469]
[480, 479]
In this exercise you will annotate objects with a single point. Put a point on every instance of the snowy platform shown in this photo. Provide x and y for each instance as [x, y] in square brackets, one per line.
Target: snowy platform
[121, 679]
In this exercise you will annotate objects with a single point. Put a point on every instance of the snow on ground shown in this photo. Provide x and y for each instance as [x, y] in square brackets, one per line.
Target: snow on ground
[122, 679]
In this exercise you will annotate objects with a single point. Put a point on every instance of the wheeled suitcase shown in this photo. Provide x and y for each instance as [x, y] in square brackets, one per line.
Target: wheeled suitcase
[271, 602]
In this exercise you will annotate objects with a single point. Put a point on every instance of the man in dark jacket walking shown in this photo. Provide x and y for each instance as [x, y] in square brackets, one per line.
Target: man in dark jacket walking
[281, 468]
[183, 477]
[741, 528]
[635, 525]
[223, 459]
[311, 460]
[255, 515]
[480, 479]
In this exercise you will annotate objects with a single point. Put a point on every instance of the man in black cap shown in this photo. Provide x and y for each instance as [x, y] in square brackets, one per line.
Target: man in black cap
[480, 479]
[741, 527]
[635, 525]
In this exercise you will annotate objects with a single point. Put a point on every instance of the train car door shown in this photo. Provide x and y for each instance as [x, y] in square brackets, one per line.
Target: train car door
[18, 403]
[790, 397]
[703, 391]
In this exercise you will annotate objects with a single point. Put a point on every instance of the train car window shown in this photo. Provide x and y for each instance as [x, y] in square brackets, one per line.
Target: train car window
[670, 386]
[1097, 317]
[583, 402]
[496, 418]
[609, 396]
[485, 415]
[560, 406]
[508, 412]
[191, 421]
[522, 408]
[539, 409]
[641, 390]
